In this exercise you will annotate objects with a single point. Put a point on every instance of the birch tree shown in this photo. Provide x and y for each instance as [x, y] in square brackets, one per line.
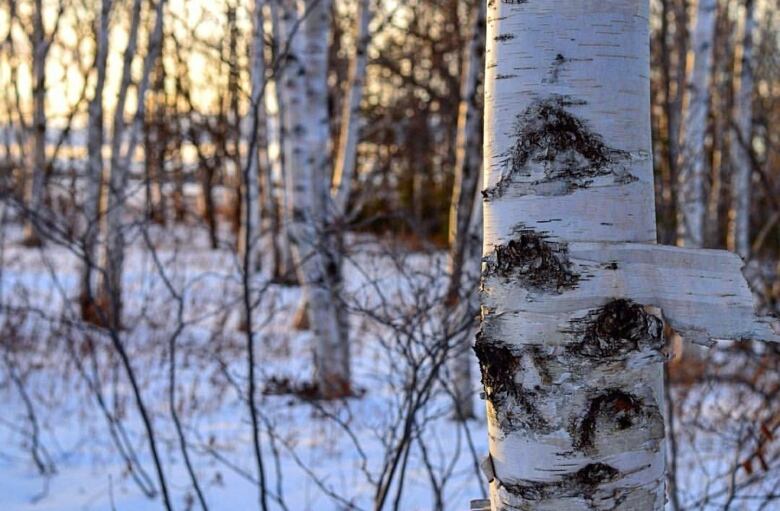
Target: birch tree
[346, 154]
[307, 136]
[575, 293]
[113, 255]
[739, 225]
[276, 223]
[693, 168]
[35, 186]
[95, 140]
[351, 120]
[257, 152]
[462, 284]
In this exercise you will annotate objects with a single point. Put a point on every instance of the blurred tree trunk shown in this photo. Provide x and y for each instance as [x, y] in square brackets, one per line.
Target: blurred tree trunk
[156, 139]
[283, 270]
[351, 120]
[207, 166]
[233, 135]
[721, 110]
[673, 47]
[35, 188]
[346, 154]
[742, 141]
[307, 135]
[120, 165]
[95, 139]
[693, 165]
[249, 241]
[462, 287]
[574, 413]
[177, 171]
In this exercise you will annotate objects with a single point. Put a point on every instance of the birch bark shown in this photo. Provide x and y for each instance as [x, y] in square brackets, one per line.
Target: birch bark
[574, 291]
[95, 139]
[307, 137]
[113, 256]
[283, 267]
[249, 244]
[346, 155]
[462, 285]
[739, 226]
[351, 120]
[693, 167]
[574, 390]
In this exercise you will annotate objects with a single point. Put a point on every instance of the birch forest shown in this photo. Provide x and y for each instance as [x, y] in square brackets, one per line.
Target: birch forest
[390, 255]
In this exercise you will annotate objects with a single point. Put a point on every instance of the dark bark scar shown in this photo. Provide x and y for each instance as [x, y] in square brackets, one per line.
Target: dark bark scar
[570, 153]
[534, 261]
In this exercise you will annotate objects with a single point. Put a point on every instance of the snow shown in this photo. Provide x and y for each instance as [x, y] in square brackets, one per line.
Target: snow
[330, 455]
[310, 438]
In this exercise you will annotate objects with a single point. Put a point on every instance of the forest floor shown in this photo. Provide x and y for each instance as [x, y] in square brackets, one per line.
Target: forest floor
[56, 447]
[318, 456]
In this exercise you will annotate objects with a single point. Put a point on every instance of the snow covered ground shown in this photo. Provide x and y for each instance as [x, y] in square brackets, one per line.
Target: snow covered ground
[318, 456]
[59, 450]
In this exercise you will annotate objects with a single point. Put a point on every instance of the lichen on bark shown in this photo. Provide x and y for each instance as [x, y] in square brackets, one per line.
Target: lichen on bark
[571, 155]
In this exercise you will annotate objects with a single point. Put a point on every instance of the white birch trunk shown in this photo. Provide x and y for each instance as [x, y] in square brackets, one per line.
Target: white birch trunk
[284, 267]
[739, 226]
[466, 311]
[465, 202]
[346, 155]
[249, 244]
[574, 290]
[95, 138]
[574, 393]
[113, 256]
[691, 203]
[351, 120]
[307, 137]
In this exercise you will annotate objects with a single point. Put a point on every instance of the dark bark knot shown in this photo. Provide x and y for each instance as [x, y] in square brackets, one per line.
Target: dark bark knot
[499, 365]
[584, 482]
[611, 412]
[570, 155]
[617, 329]
[537, 263]
[513, 405]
